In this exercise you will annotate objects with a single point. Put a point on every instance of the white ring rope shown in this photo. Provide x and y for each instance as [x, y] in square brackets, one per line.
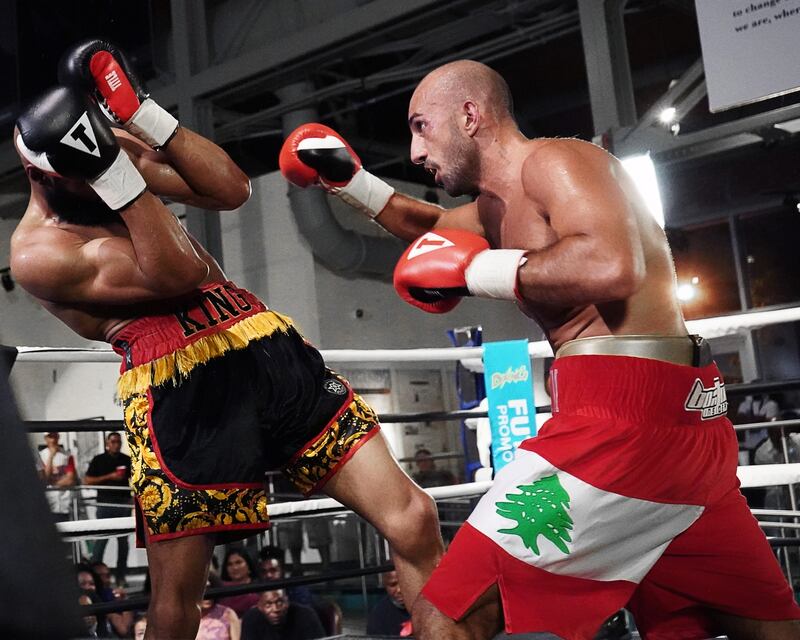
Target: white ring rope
[107, 527]
[707, 327]
[765, 475]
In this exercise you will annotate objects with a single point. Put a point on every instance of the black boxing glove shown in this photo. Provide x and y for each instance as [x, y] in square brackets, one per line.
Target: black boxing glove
[101, 67]
[64, 133]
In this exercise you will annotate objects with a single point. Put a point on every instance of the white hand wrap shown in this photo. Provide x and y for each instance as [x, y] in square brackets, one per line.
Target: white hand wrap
[152, 123]
[366, 192]
[493, 273]
[120, 184]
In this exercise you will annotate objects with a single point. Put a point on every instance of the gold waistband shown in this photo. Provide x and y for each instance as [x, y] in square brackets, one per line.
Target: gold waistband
[684, 350]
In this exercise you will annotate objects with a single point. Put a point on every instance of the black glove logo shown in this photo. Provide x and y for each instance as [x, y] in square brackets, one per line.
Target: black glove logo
[81, 136]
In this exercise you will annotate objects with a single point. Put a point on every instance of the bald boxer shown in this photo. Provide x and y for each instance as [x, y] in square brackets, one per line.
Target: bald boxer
[216, 387]
[628, 496]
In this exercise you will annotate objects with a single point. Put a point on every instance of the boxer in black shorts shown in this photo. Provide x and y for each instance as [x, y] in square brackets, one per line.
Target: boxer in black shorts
[216, 387]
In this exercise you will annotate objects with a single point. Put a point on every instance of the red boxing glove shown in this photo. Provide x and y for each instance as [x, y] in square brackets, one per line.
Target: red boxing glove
[442, 266]
[314, 154]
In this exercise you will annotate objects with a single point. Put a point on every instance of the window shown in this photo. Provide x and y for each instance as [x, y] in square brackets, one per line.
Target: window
[706, 272]
[771, 253]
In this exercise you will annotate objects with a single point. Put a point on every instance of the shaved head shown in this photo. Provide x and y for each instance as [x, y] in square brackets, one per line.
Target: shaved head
[469, 80]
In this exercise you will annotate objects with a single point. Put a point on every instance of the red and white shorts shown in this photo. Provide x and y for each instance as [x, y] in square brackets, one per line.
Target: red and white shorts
[627, 497]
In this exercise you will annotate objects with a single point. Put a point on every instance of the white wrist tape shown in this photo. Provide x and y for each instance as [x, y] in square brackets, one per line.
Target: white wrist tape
[365, 192]
[493, 273]
[120, 184]
[152, 123]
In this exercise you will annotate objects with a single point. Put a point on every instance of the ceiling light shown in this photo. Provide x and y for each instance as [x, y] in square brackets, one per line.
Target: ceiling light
[686, 292]
[667, 116]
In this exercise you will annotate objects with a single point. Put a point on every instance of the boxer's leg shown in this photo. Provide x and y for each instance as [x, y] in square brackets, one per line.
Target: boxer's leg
[373, 485]
[483, 620]
[178, 573]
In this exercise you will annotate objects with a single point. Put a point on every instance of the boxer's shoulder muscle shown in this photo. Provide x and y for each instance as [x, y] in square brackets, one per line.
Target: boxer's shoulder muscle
[556, 168]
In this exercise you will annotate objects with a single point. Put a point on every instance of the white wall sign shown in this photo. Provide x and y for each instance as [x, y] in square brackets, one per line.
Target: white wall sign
[750, 49]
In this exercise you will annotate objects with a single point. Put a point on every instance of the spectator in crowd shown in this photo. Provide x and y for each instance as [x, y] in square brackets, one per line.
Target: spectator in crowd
[89, 621]
[121, 622]
[427, 475]
[390, 614]
[756, 408]
[104, 591]
[139, 627]
[217, 622]
[238, 568]
[275, 618]
[271, 567]
[271, 561]
[112, 468]
[771, 452]
[90, 586]
[57, 469]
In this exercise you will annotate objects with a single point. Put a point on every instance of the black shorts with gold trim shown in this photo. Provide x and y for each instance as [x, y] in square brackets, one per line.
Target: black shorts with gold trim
[201, 442]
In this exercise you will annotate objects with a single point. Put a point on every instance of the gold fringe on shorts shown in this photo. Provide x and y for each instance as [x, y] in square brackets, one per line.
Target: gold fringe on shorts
[173, 366]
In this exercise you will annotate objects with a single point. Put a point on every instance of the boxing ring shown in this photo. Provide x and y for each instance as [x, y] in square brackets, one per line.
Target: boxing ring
[750, 476]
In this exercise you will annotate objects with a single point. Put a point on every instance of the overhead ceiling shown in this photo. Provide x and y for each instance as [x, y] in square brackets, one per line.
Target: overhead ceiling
[225, 66]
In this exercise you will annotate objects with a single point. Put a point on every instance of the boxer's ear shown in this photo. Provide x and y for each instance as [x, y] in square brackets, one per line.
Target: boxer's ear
[472, 117]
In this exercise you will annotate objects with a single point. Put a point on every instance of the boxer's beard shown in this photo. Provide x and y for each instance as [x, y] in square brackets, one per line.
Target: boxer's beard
[465, 161]
[76, 209]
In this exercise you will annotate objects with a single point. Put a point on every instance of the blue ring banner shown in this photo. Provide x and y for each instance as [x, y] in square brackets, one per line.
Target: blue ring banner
[509, 389]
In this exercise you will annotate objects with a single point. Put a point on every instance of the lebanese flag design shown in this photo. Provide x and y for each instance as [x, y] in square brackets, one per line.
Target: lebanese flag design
[553, 521]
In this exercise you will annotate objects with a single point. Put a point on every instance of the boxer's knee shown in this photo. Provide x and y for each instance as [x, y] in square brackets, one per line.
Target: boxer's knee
[172, 615]
[418, 515]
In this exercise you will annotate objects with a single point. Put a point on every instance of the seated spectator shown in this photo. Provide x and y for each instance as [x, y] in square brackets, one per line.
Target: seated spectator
[771, 452]
[89, 621]
[275, 618]
[122, 621]
[139, 627]
[271, 567]
[390, 614]
[217, 622]
[90, 586]
[756, 408]
[238, 568]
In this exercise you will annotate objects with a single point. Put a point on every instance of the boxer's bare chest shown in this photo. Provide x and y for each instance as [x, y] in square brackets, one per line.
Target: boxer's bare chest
[518, 222]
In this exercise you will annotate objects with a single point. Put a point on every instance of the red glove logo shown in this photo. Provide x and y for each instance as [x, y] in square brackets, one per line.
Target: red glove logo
[426, 243]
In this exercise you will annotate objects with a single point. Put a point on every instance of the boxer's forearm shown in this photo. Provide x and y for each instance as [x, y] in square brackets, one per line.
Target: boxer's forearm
[576, 271]
[408, 218]
[208, 171]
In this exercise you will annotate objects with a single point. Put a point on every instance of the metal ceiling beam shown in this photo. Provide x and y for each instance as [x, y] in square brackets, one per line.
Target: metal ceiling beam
[296, 45]
[686, 82]
[667, 148]
[190, 46]
[607, 65]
